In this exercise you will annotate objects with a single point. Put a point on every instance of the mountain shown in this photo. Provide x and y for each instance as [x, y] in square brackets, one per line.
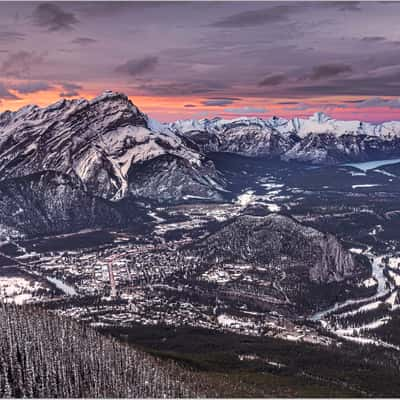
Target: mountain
[245, 136]
[87, 164]
[106, 143]
[50, 202]
[296, 259]
[80, 164]
[318, 139]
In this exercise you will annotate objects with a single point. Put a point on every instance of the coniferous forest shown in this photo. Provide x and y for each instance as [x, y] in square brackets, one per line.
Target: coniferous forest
[43, 356]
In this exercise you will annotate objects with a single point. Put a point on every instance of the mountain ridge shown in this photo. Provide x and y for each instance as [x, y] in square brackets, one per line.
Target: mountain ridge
[318, 139]
[295, 139]
[106, 148]
[99, 141]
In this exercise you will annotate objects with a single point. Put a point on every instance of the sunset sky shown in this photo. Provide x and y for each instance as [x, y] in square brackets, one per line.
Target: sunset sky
[180, 60]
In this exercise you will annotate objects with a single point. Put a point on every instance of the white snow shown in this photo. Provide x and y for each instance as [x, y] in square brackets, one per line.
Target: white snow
[273, 207]
[395, 277]
[370, 282]
[246, 198]
[17, 289]
[381, 171]
[370, 326]
[67, 289]
[229, 321]
[394, 262]
[356, 250]
[366, 185]
[154, 215]
[318, 123]
[368, 165]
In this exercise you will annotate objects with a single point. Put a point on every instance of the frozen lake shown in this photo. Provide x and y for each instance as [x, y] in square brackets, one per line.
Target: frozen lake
[365, 166]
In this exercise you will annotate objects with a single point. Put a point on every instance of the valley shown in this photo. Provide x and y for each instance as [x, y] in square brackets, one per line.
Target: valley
[161, 278]
[224, 238]
[199, 199]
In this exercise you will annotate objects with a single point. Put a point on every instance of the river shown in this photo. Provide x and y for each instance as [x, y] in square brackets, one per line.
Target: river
[377, 273]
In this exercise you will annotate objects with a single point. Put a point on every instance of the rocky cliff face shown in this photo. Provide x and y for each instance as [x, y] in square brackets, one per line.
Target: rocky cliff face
[99, 141]
[331, 149]
[49, 203]
[62, 166]
[318, 139]
[244, 136]
[277, 240]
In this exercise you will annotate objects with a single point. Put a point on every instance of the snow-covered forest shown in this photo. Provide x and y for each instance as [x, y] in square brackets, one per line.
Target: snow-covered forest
[44, 355]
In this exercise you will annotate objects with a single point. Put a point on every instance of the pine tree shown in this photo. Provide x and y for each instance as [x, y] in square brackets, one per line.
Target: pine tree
[43, 355]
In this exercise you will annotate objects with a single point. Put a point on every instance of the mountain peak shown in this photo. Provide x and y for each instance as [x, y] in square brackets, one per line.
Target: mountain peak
[110, 95]
[320, 117]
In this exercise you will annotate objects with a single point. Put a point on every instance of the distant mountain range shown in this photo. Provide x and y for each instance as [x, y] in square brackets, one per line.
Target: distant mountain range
[317, 140]
[79, 163]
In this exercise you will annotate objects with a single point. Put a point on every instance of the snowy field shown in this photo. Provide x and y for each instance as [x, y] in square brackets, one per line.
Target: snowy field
[17, 289]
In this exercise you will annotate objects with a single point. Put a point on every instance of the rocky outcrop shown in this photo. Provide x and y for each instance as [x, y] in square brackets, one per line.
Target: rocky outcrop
[48, 203]
[277, 240]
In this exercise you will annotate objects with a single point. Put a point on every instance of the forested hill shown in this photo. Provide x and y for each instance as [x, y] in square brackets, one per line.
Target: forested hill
[43, 355]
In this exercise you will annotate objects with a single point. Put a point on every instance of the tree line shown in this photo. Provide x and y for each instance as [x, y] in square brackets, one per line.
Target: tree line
[43, 355]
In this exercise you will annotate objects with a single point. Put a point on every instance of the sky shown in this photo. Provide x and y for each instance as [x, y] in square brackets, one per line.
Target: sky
[180, 60]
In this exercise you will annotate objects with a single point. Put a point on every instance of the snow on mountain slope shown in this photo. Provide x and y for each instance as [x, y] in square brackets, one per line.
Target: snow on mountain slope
[245, 136]
[318, 139]
[99, 141]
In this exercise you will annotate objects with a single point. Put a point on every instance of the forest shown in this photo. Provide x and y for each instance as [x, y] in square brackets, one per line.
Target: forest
[46, 356]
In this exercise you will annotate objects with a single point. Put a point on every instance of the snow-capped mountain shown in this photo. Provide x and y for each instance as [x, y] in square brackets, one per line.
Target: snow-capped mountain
[80, 164]
[104, 155]
[107, 144]
[318, 139]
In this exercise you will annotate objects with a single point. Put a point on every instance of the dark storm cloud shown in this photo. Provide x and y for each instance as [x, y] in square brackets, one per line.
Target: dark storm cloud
[273, 80]
[70, 89]
[138, 66]
[31, 87]
[255, 17]
[348, 5]
[219, 102]
[192, 50]
[354, 101]
[112, 8]
[5, 93]
[379, 102]
[373, 39]
[66, 95]
[18, 65]
[361, 86]
[11, 36]
[84, 41]
[52, 17]
[287, 103]
[329, 70]
[183, 88]
[279, 13]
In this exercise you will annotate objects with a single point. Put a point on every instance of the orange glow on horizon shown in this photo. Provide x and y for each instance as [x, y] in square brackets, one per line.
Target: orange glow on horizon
[172, 108]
